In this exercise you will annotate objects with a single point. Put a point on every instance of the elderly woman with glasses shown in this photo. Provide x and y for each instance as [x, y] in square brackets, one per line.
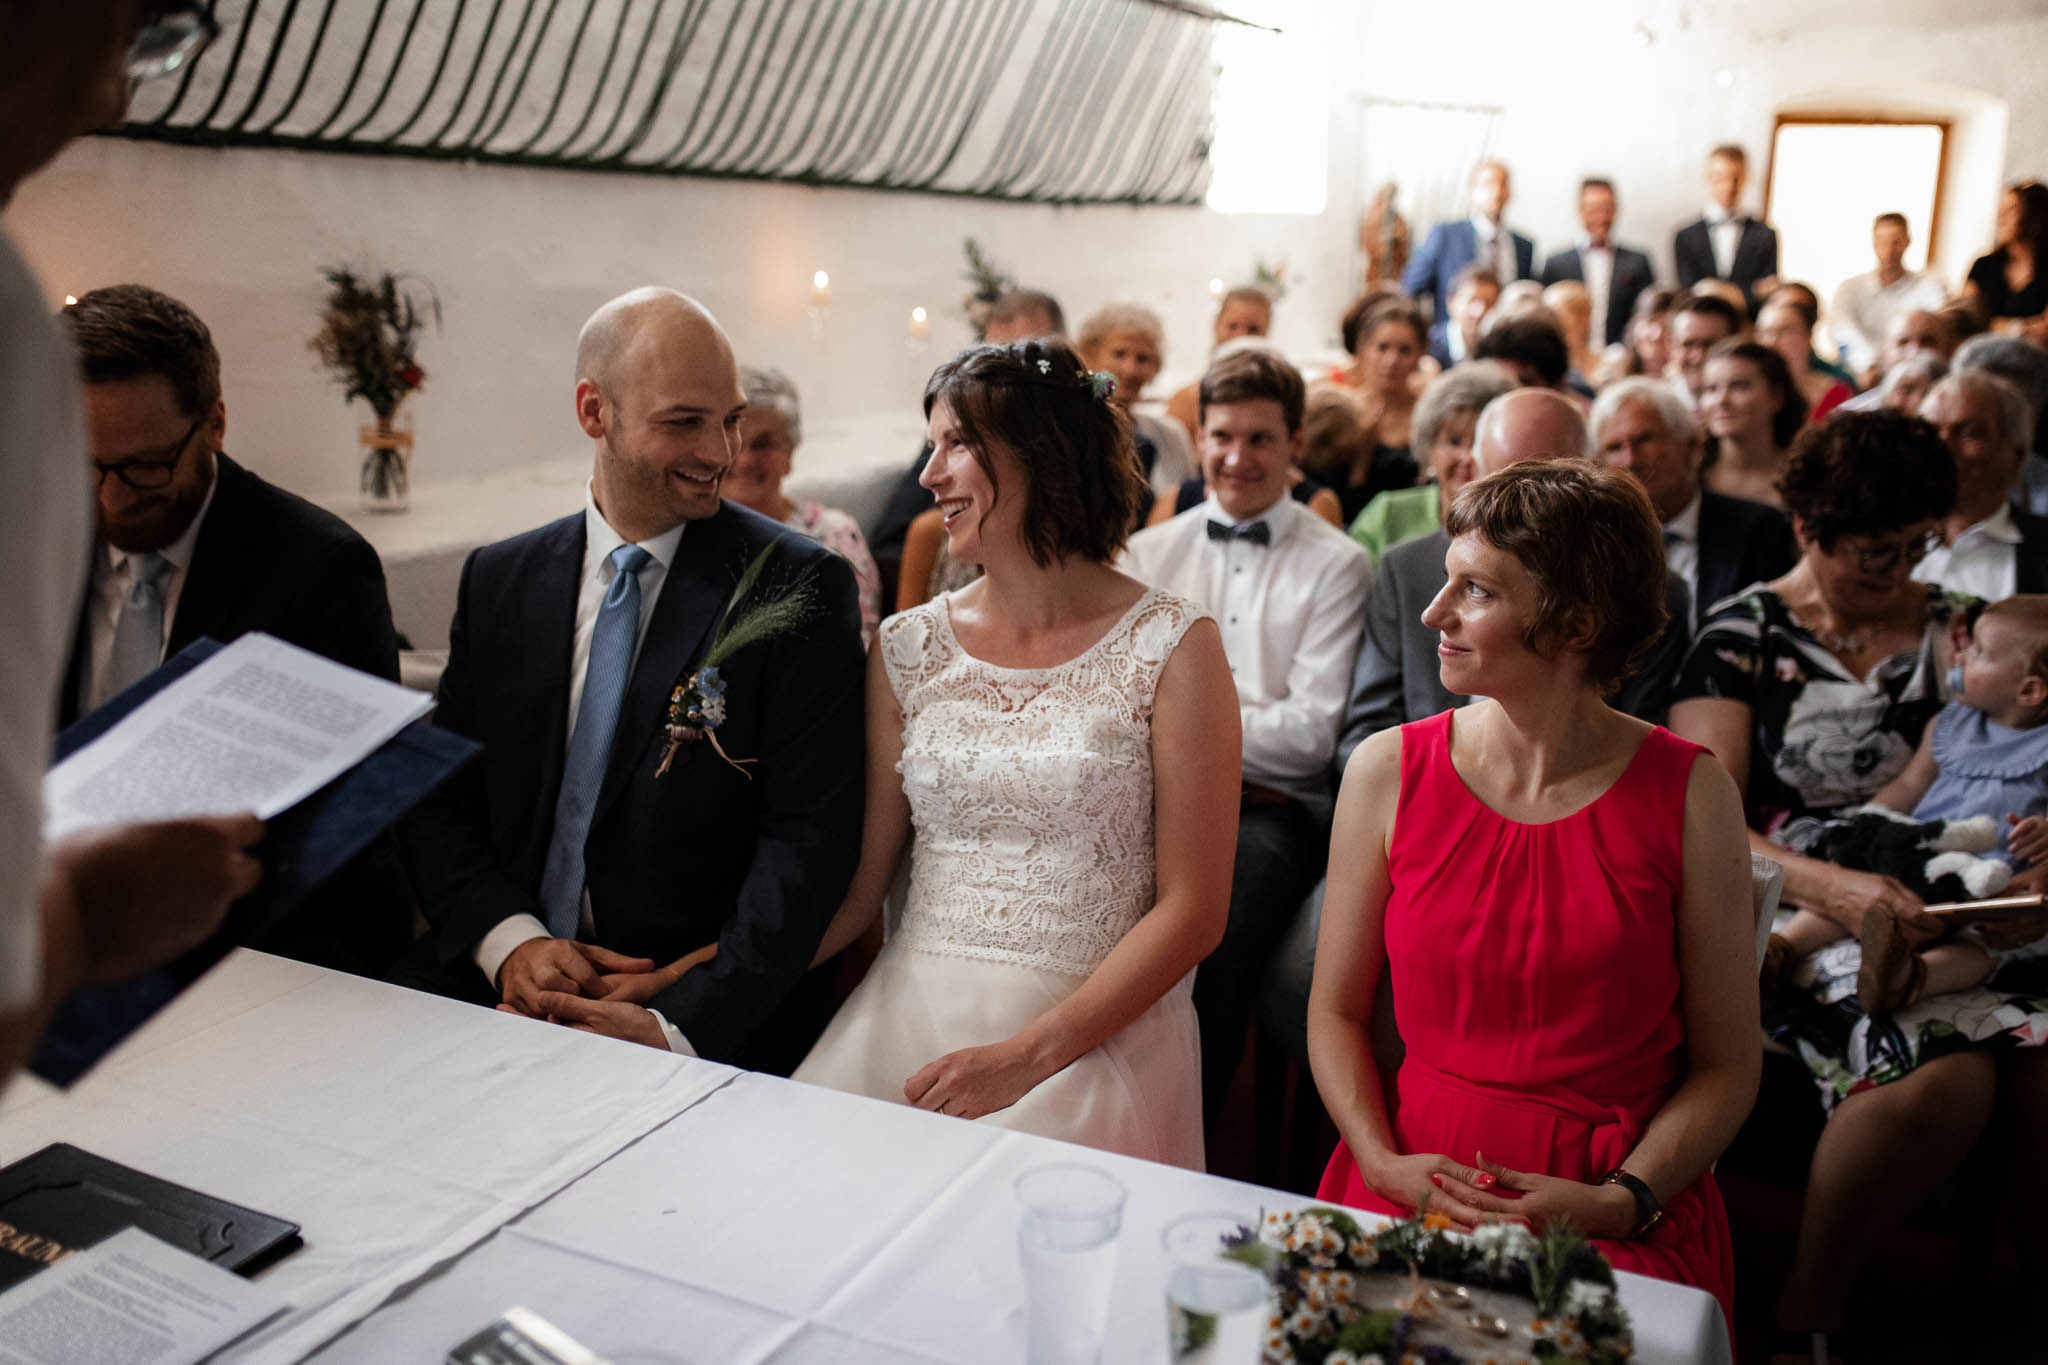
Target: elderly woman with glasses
[1814, 690]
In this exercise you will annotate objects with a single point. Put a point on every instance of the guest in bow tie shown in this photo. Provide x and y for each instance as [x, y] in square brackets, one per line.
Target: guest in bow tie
[1288, 590]
[585, 871]
[1725, 243]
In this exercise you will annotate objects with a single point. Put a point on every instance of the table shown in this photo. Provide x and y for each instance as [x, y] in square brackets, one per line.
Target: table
[449, 1162]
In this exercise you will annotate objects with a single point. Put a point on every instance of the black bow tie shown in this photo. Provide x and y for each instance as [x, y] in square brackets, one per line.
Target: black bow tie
[1254, 531]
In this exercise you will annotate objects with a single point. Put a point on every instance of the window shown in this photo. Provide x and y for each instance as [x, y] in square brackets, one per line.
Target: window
[1831, 176]
[1270, 151]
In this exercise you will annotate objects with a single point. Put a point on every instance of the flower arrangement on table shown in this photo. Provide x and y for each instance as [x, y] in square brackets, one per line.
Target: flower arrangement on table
[368, 341]
[697, 704]
[989, 284]
[1323, 1263]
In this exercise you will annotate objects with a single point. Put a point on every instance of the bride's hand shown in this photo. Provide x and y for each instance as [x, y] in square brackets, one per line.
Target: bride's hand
[973, 1081]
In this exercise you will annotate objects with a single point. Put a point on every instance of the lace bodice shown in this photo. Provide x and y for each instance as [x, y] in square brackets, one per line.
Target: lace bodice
[1030, 789]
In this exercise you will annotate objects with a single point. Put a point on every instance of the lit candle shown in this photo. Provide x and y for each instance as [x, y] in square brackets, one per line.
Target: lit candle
[1215, 289]
[821, 290]
[70, 299]
[920, 324]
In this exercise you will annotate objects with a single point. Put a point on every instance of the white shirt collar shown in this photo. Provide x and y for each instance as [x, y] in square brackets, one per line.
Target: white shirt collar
[179, 552]
[599, 539]
[1686, 525]
[1999, 526]
[1716, 215]
[1586, 244]
[1278, 518]
[1487, 230]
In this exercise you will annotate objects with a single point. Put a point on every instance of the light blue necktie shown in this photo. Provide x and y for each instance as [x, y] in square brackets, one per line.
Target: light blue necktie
[597, 716]
[139, 631]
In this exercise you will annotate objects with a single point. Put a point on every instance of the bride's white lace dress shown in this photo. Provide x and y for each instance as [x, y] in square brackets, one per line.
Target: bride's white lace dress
[1031, 796]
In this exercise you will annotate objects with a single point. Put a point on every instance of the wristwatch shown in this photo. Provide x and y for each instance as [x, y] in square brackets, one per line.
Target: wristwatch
[1648, 1212]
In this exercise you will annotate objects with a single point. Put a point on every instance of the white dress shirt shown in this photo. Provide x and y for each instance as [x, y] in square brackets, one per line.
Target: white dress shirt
[1682, 550]
[1724, 231]
[1495, 247]
[1291, 613]
[112, 572]
[45, 535]
[1984, 561]
[599, 540]
[1864, 307]
[1596, 263]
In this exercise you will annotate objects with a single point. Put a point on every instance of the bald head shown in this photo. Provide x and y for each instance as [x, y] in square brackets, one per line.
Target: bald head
[622, 330]
[1529, 424]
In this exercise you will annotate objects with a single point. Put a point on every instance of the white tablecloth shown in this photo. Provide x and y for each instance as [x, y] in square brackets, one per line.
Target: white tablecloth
[448, 1162]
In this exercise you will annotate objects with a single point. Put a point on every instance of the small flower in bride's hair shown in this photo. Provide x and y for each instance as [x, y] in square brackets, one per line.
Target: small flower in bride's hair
[1045, 367]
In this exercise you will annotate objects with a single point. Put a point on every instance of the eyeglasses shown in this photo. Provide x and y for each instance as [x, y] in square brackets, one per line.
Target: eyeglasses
[170, 37]
[146, 473]
[1883, 558]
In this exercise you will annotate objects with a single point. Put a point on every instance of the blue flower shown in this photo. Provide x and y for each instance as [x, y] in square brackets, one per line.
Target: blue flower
[709, 684]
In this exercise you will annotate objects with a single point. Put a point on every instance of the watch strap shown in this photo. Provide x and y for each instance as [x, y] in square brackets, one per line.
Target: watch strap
[1648, 1211]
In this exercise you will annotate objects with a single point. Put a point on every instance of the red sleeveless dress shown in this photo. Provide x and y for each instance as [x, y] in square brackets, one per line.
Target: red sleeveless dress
[1535, 978]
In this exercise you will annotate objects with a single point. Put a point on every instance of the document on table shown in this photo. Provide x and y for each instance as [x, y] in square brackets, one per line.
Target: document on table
[131, 1299]
[259, 726]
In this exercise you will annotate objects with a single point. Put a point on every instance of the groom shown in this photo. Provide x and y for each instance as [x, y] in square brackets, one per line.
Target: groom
[563, 876]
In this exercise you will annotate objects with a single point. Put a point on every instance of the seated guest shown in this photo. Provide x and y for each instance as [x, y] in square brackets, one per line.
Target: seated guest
[1287, 591]
[1717, 544]
[1386, 338]
[1988, 548]
[1814, 690]
[1304, 487]
[1803, 297]
[773, 427]
[1445, 419]
[929, 569]
[1516, 296]
[191, 545]
[1699, 324]
[1615, 276]
[1904, 387]
[1491, 860]
[2009, 285]
[1397, 679]
[1128, 342]
[1751, 411]
[1474, 292]
[588, 869]
[1865, 306]
[1786, 326]
[1246, 311]
[2023, 365]
[1646, 345]
[1572, 305]
[1916, 333]
[1531, 346]
[1016, 316]
[1725, 243]
[1483, 239]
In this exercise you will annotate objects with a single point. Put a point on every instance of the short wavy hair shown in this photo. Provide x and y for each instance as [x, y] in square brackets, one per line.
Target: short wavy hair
[1532, 338]
[767, 387]
[1033, 399]
[1590, 539]
[130, 331]
[1791, 413]
[1121, 317]
[1465, 388]
[1247, 369]
[1867, 474]
[1373, 310]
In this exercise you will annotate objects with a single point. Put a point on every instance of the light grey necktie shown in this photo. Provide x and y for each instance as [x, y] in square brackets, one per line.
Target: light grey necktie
[139, 633]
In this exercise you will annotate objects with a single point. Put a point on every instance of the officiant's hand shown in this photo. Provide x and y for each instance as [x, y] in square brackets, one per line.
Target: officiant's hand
[612, 1018]
[540, 965]
[135, 896]
[1595, 1210]
[974, 1081]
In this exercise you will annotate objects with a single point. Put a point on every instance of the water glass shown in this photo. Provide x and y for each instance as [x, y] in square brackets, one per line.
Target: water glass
[1067, 1222]
[1216, 1297]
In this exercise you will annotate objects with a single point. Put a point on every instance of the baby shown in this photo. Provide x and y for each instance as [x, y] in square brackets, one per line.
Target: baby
[1985, 754]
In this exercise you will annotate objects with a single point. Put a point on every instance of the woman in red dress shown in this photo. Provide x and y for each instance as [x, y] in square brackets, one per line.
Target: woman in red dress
[1557, 898]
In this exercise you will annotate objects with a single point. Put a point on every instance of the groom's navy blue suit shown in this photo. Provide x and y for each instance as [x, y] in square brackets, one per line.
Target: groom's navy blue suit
[757, 862]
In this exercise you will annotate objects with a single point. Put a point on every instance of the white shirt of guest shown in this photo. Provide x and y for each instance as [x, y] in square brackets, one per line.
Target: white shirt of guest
[1494, 246]
[45, 536]
[1596, 263]
[112, 573]
[599, 540]
[1291, 613]
[1865, 306]
[1984, 561]
[1724, 231]
[1682, 550]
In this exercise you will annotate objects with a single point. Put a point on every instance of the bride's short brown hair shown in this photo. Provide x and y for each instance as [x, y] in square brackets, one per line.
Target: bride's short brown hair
[1033, 398]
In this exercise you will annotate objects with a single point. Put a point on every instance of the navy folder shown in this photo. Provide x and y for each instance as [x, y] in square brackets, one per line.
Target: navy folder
[302, 848]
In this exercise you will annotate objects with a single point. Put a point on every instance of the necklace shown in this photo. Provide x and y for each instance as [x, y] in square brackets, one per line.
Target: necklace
[1854, 643]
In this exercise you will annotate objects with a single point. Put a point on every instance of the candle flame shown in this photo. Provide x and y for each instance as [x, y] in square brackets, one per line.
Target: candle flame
[821, 281]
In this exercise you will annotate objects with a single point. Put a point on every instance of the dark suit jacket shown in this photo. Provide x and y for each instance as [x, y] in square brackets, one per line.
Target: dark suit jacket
[1741, 543]
[1632, 275]
[1397, 679]
[1449, 248]
[268, 560]
[2032, 575]
[757, 862]
[1756, 255]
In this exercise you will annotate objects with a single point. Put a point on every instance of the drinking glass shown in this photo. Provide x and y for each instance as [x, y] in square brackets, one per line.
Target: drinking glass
[1218, 1279]
[1067, 1223]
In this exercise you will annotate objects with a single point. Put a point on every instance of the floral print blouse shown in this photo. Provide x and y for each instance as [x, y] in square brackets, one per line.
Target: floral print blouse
[840, 533]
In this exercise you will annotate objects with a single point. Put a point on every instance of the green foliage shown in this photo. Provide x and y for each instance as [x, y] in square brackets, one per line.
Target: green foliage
[778, 611]
[369, 334]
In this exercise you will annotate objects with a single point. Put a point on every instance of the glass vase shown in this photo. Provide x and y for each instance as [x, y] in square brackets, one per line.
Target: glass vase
[386, 482]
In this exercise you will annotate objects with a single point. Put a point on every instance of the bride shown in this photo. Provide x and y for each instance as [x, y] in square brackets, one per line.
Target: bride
[1062, 744]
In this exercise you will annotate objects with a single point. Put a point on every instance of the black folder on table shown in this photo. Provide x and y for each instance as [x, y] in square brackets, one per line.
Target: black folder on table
[302, 847]
[64, 1199]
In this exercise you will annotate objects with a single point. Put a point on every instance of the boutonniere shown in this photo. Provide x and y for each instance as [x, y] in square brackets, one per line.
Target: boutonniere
[697, 704]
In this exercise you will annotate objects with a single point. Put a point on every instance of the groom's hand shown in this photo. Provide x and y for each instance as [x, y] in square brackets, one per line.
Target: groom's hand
[540, 965]
[612, 1018]
[637, 988]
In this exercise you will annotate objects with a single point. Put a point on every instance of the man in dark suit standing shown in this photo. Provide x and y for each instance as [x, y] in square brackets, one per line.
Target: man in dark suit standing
[566, 875]
[1614, 275]
[1484, 238]
[191, 545]
[1725, 243]
[1718, 545]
